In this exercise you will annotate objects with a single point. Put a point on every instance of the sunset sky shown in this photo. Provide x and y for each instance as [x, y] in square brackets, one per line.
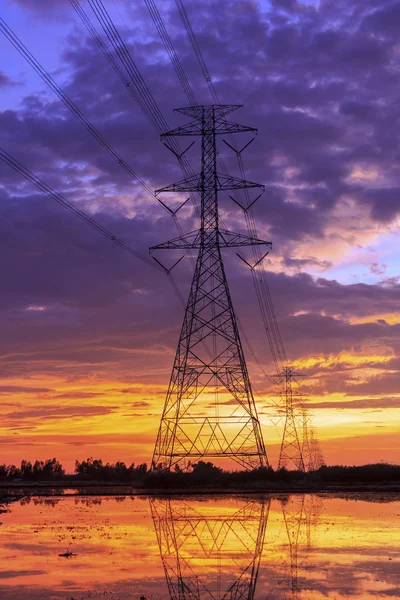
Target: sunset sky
[88, 333]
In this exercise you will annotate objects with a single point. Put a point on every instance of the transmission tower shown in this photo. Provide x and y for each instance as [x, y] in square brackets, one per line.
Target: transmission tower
[311, 449]
[316, 456]
[291, 453]
[306, 446]
[209, 554]
[209, 410]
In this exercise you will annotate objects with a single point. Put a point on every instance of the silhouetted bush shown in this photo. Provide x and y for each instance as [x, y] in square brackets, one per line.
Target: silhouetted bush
[95, 470]
[373, 473]
[37, 471]
[203, 475]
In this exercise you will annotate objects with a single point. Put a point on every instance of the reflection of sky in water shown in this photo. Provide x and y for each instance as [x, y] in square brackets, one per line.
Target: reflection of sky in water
[303, 547]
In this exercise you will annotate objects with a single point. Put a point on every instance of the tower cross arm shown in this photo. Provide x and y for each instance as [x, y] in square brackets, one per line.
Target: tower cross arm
[230, 239]
[226, 239]
[220, 110]
[192, 128]
[228, 182]
[224, 182]
[190, 184]
[183, 242]
[222, 126]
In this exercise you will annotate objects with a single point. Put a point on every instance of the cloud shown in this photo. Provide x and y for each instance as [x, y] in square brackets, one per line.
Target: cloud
[9, 574]
[15, 389]
[58, 412]
[77, 395]
[6, 81]
[45, 8]
[321, 85]
[362, 403]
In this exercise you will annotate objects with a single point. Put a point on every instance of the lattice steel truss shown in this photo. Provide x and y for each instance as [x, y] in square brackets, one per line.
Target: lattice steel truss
[209, 410]
[208, 552]
[291, 454]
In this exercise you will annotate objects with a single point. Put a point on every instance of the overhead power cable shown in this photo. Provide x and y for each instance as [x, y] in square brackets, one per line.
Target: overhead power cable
[169, 47]
[114, 63]
[133, 81]
[46, 77]
[134, 77]
[60, 199]
[45, 188]
[196, 49]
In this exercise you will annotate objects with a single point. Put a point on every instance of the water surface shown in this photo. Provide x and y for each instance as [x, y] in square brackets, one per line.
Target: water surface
[135, 548]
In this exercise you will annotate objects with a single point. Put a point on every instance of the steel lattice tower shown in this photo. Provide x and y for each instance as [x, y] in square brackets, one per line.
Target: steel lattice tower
[209, 410]
[291, 453]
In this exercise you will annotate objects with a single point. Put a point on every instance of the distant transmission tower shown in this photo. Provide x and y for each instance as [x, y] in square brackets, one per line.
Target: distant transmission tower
[311, 449]
[291, 454]
[316, 455]
[306, 442]
[209, 410]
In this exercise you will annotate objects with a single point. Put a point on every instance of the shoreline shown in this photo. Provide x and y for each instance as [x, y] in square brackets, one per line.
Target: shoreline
[18, 491]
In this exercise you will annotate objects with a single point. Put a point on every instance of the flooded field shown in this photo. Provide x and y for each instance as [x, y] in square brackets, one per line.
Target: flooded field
[137, 548]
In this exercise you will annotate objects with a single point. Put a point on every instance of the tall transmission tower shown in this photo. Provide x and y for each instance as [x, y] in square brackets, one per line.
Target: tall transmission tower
[209, 410]
[291, 453]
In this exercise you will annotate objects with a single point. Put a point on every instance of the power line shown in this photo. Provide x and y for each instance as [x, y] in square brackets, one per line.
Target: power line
[114, 64]
[45, 188]
[28, 56]
[144, 95]
[133, 81]
[169, 47]
[196, 48]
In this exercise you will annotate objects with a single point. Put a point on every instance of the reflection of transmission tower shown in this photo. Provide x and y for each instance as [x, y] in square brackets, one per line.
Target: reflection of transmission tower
[294, 517]
[300, 515]
[207, 555]
[209, 410]
[291, 448]
[312, 508]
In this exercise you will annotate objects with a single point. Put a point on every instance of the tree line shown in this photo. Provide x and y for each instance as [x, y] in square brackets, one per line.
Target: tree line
[201, 474]
[38, 470]
[90, 470]
[95, 469]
